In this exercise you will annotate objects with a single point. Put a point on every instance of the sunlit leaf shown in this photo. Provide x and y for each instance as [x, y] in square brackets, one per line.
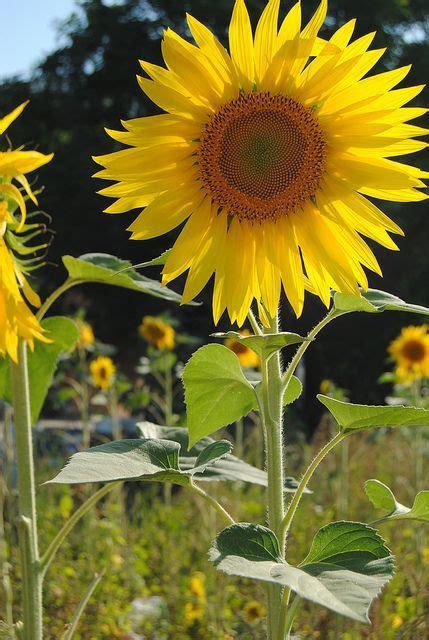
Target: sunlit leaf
[346, 567]
[375, 301]
[216, 391]
[382, 497]
[107, 269]
[42, 362]
[292, 391]
[355, 417]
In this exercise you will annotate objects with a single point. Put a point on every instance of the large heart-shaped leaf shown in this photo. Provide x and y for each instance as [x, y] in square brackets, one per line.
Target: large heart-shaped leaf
[264, 345]
[228, 468]
[147, 459]
[216, 391]
[346, 567]
[382, 497]
[375, 301]
[355, 417]
[42, 362]
[107, 269]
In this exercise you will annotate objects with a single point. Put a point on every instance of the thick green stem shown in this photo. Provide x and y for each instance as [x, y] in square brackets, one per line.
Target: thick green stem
[272, 414]
[32, 577]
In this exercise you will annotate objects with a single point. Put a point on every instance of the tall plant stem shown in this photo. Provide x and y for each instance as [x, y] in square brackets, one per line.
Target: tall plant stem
[29, 548]
[272, 415]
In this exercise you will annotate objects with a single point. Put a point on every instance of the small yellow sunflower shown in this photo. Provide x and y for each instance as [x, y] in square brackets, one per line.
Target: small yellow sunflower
[253, 611]
[410, 351]
[158, 333]
[102, 371]
[269, 151]
[16, 319]
[86, 334]
[248, 358]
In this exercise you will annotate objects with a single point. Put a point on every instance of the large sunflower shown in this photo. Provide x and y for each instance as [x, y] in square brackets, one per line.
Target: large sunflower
[16, 319]
[268, 152]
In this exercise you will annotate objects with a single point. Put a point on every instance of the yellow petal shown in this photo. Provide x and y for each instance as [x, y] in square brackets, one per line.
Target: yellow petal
[265, 38]
[241, 45]
[7, 120]
[166, 212]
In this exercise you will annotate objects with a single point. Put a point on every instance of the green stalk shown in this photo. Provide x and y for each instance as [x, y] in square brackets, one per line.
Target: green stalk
[68, 284]
[272, 415]
[32, 577]
[287, 521]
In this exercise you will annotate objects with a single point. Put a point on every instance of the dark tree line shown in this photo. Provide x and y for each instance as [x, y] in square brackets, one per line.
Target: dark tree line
[89, 83]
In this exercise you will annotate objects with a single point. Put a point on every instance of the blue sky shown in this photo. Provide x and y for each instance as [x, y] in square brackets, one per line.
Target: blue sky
[27, 32]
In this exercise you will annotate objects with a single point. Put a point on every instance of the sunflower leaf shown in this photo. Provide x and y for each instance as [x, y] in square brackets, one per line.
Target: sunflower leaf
[42, 362]
[216, 391]
[228, 467]
[375, 301]
[382, 497]
[355, 417]
[292, 391]
[133, 459]
[107, 269]
[266, 344]
[345, 569]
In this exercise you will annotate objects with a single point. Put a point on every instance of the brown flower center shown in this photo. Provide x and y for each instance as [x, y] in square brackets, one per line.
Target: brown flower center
[414, 350]
[262, 156]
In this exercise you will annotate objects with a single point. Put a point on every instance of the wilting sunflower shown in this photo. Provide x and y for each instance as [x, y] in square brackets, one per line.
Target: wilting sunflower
[102, 371]
[410, 351]
[248, 358]
[269, 151]
[158, 333]
[16, 319]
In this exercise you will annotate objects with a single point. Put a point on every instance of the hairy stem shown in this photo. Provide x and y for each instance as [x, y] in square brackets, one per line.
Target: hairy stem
[272, 415]
[29, 549]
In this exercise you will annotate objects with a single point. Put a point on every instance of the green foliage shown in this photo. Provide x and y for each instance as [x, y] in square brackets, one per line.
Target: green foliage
[374, 301]
[292, 391]
[230, 468]
[382, 497]
[156, 460]
[264, 345]
[103, 268]
[216, 391]
[345, 569]
[42, 362]
[355, 417]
